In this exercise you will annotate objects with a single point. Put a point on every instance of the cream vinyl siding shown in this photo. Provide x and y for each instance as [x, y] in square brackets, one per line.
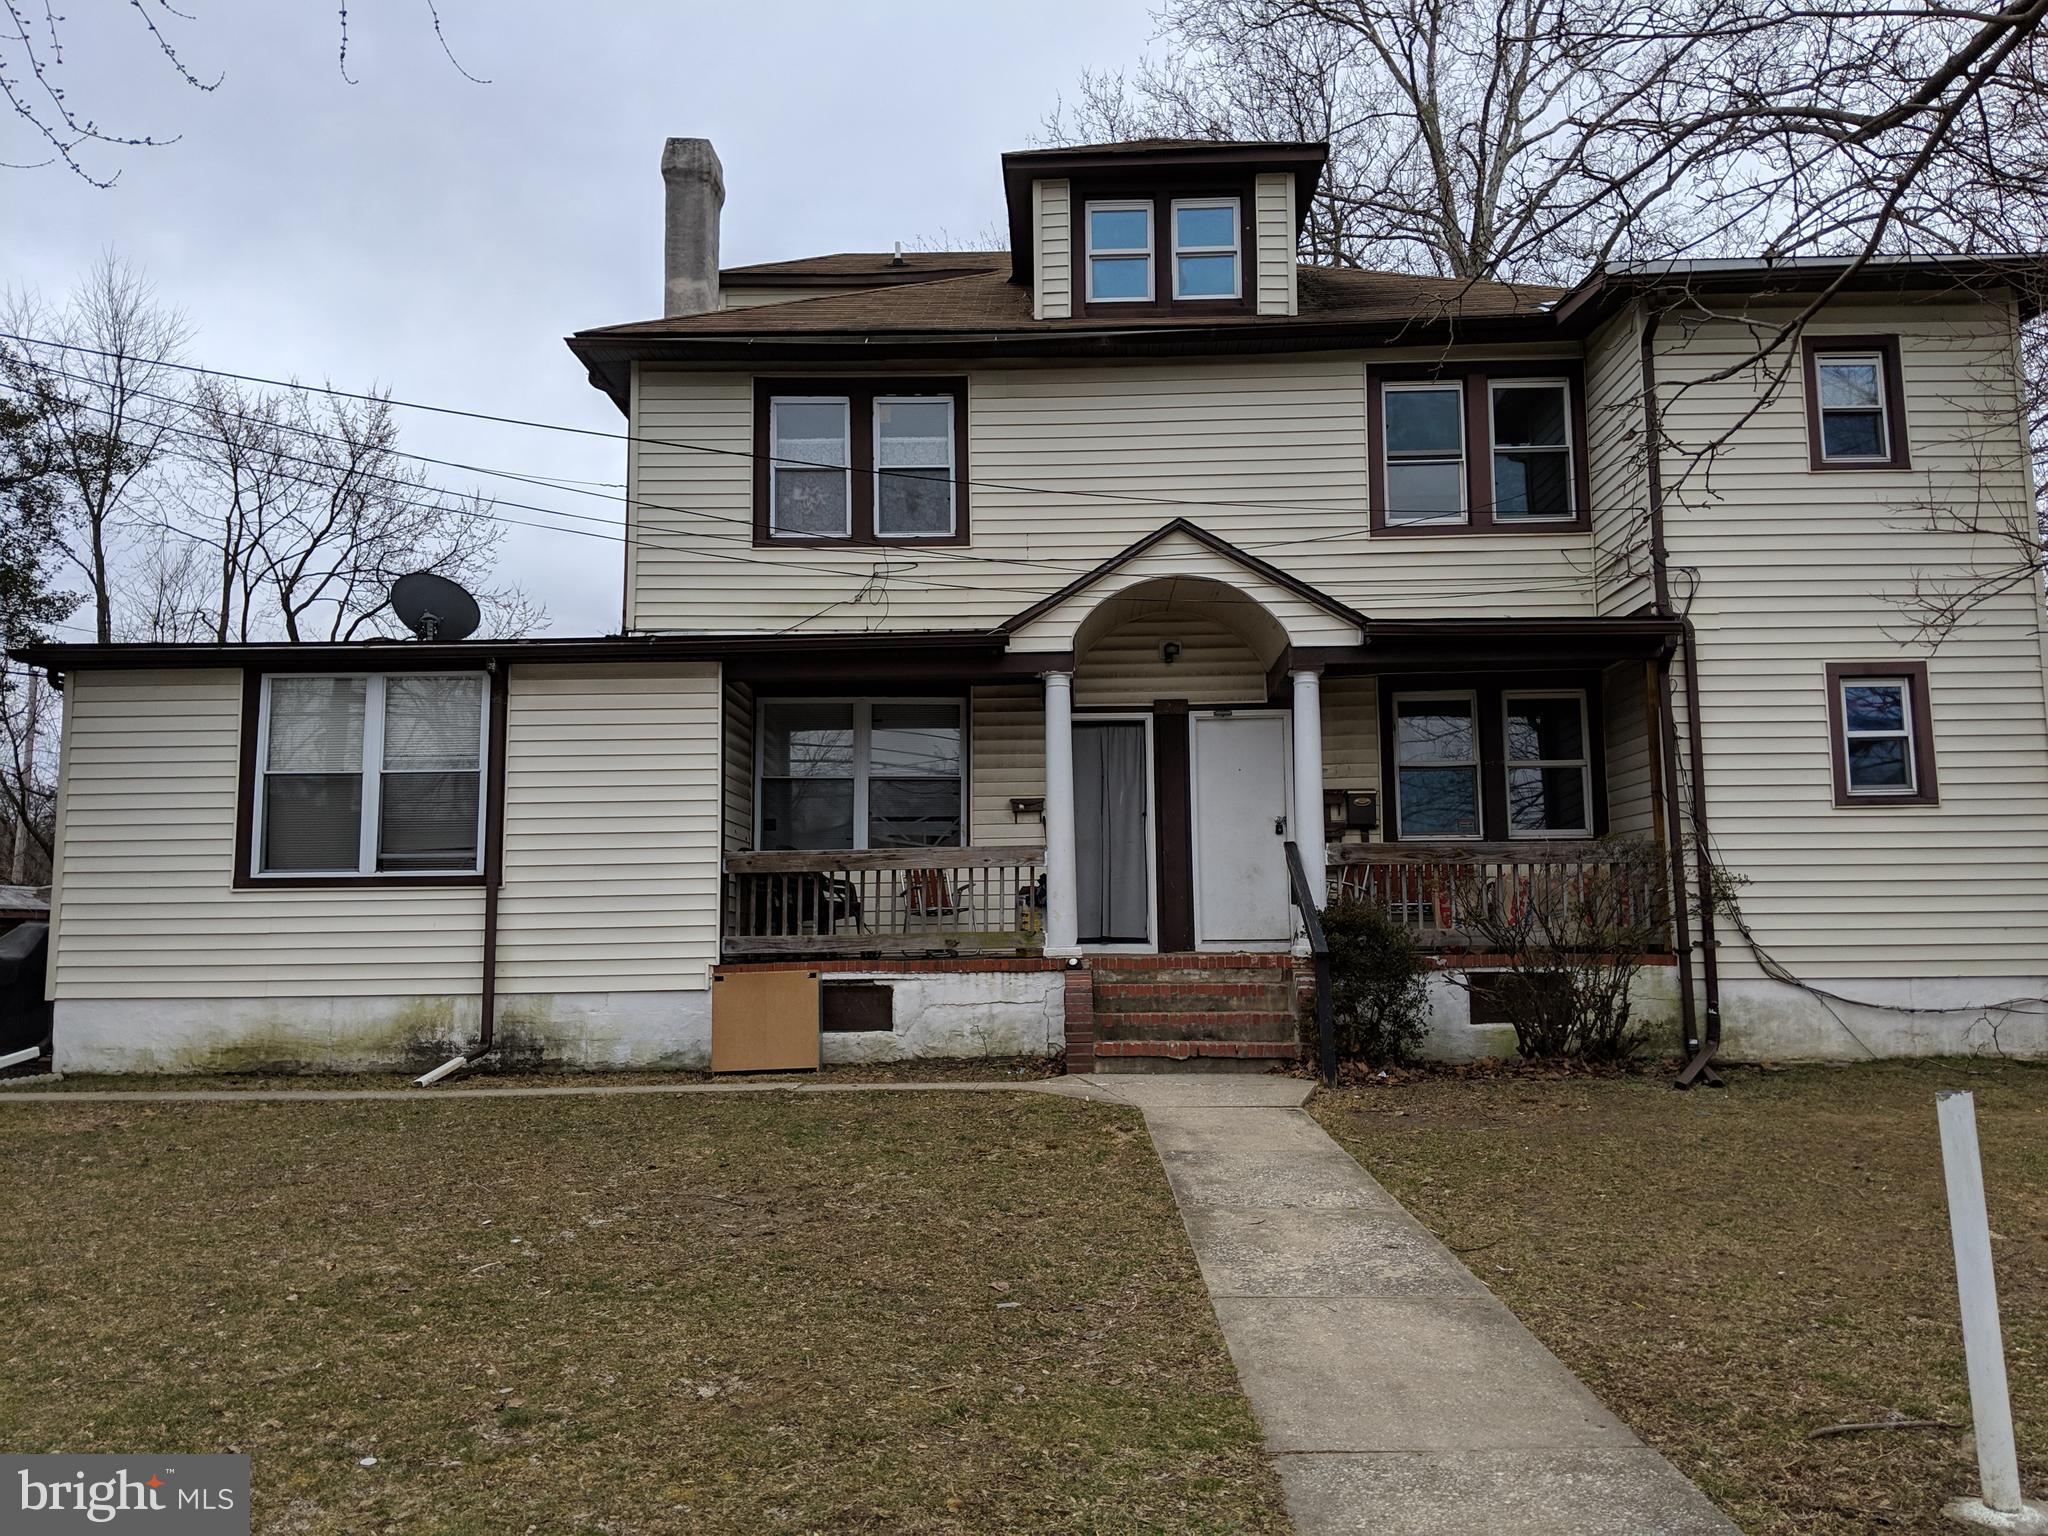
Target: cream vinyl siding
[1052, 266]
[739, 767]
[611, 829]
[1614, 447]
[1351, 739]
[1006, 758]
[147, 906]
[1273, 230]
[1631, 799]
[1268, 453]
[1125, 670]
[1799, 568]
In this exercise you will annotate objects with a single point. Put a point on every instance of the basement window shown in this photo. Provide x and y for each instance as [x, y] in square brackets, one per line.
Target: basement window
[370, 775]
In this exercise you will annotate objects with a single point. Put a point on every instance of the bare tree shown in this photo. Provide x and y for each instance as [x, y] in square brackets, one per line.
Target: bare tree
[33, 44]
[1532, 139]
[98, 403]
[304, 509]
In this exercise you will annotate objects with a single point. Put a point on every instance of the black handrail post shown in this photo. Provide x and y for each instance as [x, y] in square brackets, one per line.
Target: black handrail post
[1319, 949]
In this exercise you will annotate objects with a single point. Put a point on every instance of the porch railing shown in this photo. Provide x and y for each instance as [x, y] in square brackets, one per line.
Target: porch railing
[885, 901]
[1429, 887]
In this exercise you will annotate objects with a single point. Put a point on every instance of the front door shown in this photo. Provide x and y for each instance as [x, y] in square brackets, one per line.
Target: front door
[1112, 833]
[1240, 831]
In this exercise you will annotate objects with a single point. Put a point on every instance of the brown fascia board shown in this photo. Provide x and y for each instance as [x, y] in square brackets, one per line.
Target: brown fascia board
[609, 359]
[1593, 299]
[322, 656]
[1021, 167]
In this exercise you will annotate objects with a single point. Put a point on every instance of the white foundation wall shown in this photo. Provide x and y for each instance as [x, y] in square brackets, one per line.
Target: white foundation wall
[957, 1014]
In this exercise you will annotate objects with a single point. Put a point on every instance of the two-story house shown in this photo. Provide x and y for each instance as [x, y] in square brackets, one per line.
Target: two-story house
[995, 623]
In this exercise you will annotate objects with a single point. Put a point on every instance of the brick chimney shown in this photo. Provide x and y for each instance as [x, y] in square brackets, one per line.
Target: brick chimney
[696, 194]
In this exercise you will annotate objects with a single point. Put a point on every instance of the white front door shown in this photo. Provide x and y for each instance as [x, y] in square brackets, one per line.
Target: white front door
[1240, 830]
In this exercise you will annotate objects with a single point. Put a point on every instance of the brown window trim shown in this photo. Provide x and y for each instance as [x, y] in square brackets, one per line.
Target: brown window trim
[1489, 690]
[1926, 790]
[1162, 192]
[1896, 437]
[1476, 378]
[245, 877]
[861, 390]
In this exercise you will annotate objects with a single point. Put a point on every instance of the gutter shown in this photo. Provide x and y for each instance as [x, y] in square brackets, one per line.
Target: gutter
[494, 879]
[1699, 1051]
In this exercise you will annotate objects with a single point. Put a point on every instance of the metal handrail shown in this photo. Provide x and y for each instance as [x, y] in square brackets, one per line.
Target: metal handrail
[1319, 949]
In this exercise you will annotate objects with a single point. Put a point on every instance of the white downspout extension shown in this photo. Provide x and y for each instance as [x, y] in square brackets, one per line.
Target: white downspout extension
[1306, 826]
[1062, 886]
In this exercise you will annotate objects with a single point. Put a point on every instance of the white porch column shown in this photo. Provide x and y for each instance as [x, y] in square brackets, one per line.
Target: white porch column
[1307, 825]
[1062, 891]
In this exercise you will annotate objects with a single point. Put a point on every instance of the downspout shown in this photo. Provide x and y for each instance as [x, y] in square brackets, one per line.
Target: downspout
[494, 869]
[1699, 1052]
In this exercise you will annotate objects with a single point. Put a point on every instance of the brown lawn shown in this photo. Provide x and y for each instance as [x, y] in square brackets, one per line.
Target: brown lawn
[1733, 1270]
[870, 1313]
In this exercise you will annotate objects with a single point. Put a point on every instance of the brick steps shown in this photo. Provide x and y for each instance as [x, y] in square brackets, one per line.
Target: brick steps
[1184, 1012]
[1196, 1024]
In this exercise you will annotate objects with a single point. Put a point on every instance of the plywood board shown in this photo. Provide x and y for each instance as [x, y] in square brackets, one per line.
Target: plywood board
[764, 1021]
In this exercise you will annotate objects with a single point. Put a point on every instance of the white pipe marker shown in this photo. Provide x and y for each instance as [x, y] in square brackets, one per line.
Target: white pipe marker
[1998, 1471]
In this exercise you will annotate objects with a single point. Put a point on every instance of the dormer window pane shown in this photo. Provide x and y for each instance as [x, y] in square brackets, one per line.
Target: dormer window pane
[1119, 252]
[812, 493]
[1205, 253]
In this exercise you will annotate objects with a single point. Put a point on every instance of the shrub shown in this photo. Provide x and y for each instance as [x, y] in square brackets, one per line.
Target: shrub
[1573, 941]
[1378, 1001]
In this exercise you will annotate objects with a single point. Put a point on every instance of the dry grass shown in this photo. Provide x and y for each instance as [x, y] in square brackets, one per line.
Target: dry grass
[1732, 1270]
[932, 1069]
[897, 1313]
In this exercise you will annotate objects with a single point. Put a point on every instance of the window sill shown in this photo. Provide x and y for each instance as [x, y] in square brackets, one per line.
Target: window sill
[356, 882]
[1486, 528]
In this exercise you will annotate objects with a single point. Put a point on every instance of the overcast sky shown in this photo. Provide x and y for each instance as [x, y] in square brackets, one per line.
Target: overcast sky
[439, 238]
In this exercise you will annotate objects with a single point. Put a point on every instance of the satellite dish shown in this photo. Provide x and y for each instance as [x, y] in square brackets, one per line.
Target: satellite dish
[433, 607]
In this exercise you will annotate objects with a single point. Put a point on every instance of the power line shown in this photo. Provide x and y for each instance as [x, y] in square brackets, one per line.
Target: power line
[1057, 492]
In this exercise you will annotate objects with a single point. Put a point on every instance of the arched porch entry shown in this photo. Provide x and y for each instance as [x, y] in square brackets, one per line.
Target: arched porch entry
[1180, 770]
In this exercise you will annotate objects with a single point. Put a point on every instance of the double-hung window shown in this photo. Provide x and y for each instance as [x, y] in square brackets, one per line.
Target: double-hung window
[810, 470]
[1424, 431]
[860, 773]
[913, 466]
[1852, 407]
[376, 774]
[1436, 765]
[1877, 735]
[1882, 721]
[860, 460]
[1855, 416]
[1205, 248]
[1549, 765]
[1532, 452]
[1119, 252]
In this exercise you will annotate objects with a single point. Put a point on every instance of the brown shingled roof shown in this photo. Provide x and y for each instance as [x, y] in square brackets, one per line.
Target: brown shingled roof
[987, 300]
[844, 266]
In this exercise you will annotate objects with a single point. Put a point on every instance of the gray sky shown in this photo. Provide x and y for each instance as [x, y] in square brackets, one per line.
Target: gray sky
[419, 232]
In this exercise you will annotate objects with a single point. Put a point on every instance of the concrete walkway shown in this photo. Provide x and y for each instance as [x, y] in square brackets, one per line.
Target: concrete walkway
[1397, 1395]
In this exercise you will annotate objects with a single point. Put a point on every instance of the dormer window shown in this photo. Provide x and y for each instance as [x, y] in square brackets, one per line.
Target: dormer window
[1205, 248]
[1120, 252]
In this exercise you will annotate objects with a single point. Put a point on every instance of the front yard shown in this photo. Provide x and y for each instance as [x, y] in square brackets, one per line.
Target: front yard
[1733, 1270]
[920, 1313]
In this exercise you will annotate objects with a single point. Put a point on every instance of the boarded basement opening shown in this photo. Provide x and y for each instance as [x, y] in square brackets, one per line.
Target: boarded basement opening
[857, 1007]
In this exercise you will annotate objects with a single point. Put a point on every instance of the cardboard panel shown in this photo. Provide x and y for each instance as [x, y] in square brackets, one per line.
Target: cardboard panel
[764, 1021]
